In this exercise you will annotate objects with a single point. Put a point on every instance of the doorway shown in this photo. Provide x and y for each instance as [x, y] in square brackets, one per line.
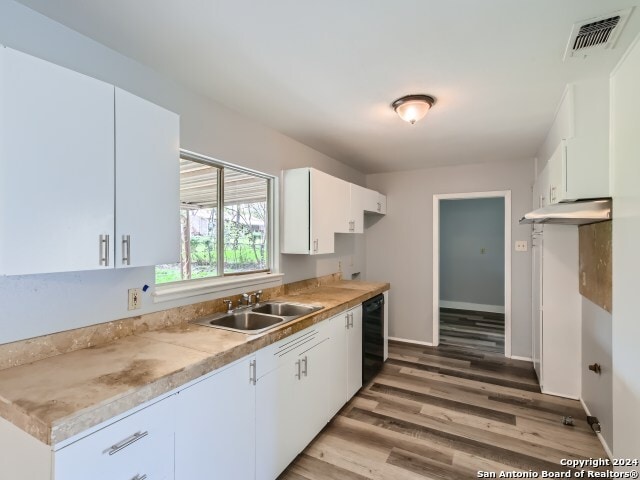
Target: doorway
[472, 271]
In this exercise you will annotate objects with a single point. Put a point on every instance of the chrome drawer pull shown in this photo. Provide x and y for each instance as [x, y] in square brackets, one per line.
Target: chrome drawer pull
[104, 250]
[126, 249]
[140, 477]
[127, 441]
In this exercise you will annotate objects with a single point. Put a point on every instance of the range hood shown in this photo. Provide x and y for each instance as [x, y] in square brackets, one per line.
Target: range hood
[579, 212]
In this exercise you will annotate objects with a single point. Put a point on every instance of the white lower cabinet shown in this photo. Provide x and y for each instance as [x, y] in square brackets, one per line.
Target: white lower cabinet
[215, 425]
[291, 399]
[137, 447]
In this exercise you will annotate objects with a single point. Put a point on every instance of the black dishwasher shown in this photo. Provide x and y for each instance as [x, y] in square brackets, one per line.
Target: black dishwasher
[372, 337]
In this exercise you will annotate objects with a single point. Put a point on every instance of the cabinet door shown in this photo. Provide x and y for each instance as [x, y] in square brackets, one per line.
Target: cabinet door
[147, 183]
[556, 169]
[354, 339]
[278, 412]
[358, 196]
[314, 392]
[215, 426]
[56, 167]
[329, 210]
[338, 363]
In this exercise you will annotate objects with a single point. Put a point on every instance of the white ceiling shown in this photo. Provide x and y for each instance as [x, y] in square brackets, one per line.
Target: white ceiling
[325, 72]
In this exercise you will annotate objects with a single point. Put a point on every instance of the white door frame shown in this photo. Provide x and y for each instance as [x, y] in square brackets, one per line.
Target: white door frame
[506, 194]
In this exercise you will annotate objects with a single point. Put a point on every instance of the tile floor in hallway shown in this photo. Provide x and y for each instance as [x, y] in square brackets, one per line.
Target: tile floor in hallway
[447, 413]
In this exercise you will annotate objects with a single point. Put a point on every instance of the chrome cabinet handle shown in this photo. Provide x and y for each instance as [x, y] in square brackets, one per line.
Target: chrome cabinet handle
[379, 206]
[346, 321]
[298, 375]
[104, 250]
[139, 477]
[127, 441]
[315, 246]
[304, 361]
[126, 249]
[252, 372]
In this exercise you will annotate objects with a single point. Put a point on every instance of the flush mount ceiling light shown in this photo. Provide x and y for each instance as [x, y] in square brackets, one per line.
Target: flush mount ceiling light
[412, 108]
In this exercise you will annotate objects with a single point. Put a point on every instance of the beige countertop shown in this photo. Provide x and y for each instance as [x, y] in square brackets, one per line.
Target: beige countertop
[58, 397]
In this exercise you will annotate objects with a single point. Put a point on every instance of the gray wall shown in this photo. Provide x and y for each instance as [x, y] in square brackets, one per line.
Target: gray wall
[40, 304]
[400, 245]
[467, 227]
[596, 348]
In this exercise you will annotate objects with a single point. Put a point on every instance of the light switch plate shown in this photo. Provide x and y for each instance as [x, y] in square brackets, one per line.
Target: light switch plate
[522, 245]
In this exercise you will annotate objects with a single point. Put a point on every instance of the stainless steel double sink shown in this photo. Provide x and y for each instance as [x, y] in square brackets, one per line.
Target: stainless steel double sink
[259, 318]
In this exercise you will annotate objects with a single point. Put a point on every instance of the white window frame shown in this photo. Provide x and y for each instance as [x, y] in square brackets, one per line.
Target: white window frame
[236, 283]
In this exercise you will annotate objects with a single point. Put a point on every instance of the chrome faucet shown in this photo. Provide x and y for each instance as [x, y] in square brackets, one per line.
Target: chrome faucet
[247, 298]
[258, 294]
[229, 304]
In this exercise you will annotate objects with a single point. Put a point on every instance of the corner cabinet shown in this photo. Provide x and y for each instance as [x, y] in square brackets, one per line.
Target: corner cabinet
[316, 206]
[87, 172]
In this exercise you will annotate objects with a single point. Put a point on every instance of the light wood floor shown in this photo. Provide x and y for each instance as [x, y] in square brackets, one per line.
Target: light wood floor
[471, 329]
[446, 413]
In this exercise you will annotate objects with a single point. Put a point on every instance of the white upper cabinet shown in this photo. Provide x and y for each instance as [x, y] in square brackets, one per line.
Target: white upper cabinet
[147, 193]
[317, 205]
[357, 197]
[56, 166]
[374, 202]
[579, 165]
[89, 173]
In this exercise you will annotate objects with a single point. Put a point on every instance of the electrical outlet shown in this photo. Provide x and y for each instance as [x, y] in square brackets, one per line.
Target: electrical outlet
[135, 298]
[521, 246]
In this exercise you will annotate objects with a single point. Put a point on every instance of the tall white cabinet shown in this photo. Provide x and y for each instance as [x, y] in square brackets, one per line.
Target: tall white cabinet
[89, 173]
[557, 311]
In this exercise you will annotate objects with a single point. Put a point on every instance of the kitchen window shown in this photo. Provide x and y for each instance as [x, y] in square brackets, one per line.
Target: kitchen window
[226, 221]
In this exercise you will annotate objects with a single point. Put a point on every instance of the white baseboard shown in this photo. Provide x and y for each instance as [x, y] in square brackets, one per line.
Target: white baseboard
[526, 359]
[480, 307]
[607, 450]
[415, 342]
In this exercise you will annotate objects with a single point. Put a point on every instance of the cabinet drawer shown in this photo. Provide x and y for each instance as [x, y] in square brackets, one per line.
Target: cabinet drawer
[138, 445]
[271, 357]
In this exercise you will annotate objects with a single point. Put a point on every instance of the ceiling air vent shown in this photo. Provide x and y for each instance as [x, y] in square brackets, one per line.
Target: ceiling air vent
[596, 34]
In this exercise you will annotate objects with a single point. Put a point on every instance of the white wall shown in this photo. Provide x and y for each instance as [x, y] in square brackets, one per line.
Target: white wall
[596, 348]
[400, 249]
[36, 305]
[472, 251]
[625, 174]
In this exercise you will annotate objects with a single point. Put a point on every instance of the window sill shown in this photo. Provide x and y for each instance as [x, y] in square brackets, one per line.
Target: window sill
[208, 286]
